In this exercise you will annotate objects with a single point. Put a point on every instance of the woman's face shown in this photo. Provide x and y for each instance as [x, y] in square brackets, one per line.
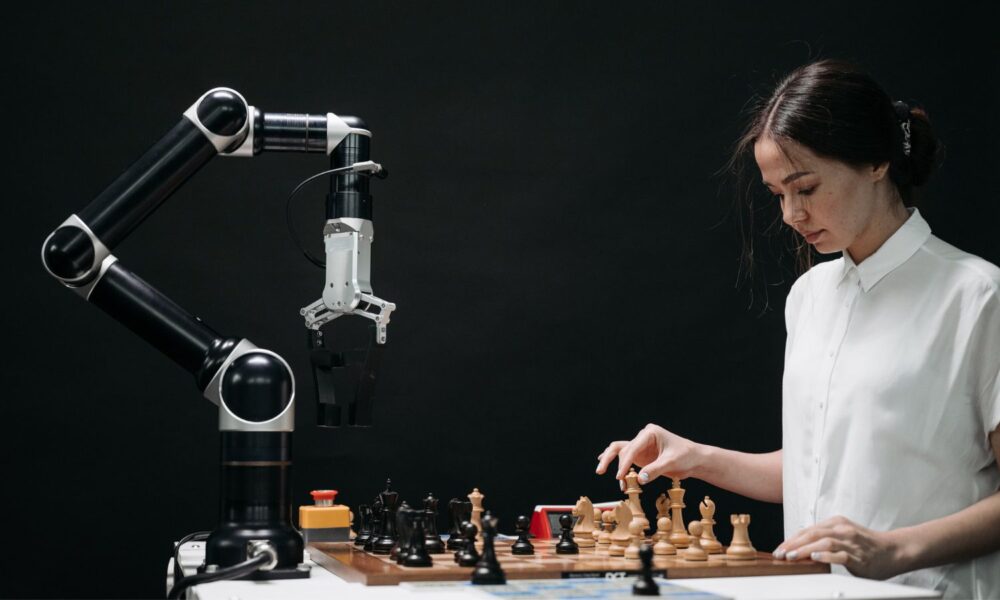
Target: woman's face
[831, 204]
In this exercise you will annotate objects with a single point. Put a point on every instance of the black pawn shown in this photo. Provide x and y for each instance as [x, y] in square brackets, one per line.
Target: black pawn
[468, 556]
[416, 555]
[522, 546]
[459, 511]
[488, 571]
[433, 540]
[566, 544]
[365, 531]
[376, 526]
[644, 585]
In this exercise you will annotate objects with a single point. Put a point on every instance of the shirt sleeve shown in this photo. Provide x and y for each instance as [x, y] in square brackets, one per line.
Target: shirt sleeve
[985, 352]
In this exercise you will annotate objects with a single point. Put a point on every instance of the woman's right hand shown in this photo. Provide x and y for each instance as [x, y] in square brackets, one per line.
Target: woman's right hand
[657, 451]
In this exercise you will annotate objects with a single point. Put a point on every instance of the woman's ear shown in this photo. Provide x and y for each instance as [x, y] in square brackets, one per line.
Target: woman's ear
[879, 171]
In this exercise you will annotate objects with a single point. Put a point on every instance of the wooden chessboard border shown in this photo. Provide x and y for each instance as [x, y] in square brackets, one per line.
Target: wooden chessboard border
[357, 566]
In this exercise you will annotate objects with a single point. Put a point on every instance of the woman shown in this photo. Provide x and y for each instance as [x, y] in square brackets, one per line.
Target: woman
[891, 389]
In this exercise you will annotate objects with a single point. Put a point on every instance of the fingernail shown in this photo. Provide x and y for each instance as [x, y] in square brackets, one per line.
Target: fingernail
[779, 554]
[792, 555]
[814, 556]
[644, 477]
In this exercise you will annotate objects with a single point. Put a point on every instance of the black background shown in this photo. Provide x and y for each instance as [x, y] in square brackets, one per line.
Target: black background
[553, 233]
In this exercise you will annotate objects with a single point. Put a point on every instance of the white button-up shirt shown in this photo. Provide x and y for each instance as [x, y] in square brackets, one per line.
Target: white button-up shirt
[891, 388]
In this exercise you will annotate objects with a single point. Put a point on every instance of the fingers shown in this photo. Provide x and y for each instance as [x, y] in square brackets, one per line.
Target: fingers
[627, 454]
[832, 558]
[828, 548]
[790, 548]
[609, 454]
[654, 469]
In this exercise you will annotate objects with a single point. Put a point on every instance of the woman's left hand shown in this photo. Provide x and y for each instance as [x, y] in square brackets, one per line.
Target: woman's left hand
[840, 541]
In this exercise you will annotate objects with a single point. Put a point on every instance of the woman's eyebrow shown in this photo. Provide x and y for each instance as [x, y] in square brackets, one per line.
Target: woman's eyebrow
[791, 177]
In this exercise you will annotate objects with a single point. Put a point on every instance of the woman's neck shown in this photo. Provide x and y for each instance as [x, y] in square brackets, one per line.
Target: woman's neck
[882, 226]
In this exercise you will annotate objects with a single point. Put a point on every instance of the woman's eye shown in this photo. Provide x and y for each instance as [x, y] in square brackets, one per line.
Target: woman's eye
[808, 192]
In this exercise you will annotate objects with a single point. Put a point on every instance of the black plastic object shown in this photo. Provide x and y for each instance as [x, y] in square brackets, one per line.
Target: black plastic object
[644, 584]
[566, 544]
[349, 195]
[255, 501]
[488, 570]
[522, 546]
[257, 387]
[345, 380]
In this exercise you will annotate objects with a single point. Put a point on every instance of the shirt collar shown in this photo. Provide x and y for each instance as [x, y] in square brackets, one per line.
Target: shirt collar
[900, 246]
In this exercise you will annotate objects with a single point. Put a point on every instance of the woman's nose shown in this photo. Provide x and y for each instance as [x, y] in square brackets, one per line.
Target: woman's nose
[792, 212]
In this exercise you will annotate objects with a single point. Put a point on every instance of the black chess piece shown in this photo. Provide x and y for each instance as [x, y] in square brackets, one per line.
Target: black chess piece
[459, 511]
[488, 570]
[416, 553]
[433, 541]
[404, 524]
[566, 544]
[468, 556]
[644, 584]
[390, 503]
[522, 546]
[376, 525]
[365, 526]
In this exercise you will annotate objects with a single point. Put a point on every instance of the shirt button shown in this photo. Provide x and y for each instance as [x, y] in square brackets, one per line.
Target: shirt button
[816, 460]
[831, 353]
[821, 405]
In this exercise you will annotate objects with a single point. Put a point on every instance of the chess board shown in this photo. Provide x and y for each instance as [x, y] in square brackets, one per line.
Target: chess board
[566, 589]
[356, 565]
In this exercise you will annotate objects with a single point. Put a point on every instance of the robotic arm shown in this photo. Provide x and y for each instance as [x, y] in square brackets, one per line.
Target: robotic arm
[253, 388]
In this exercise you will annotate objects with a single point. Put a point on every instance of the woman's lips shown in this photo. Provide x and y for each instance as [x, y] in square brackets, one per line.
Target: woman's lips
[812, 237]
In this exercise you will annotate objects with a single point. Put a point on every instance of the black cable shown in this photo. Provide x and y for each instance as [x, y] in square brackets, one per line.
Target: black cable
[236, 571]
[196, 536]
[380, 173]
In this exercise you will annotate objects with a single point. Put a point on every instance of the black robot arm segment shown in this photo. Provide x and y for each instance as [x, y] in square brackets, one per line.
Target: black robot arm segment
[78, 253]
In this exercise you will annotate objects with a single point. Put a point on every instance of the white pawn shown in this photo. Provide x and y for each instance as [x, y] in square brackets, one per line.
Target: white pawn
[663, 547]
[695, 551]
[635, 528]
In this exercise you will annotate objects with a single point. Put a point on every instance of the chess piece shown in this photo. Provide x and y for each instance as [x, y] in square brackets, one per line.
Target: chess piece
[634, 528]
[416, 554]
[476, 498]
[598, 524]
[390, 503]
[621, 537]
[583, 532]
[662, 510]
[459, 511]
[740, 548]
[708, 540]
[522, 546]
[678, 536]
[632, 490]
[644, 584]
[663, 547]
[695, 552]
[604, 540]
[468, 556]
[365, 528]
[433, 542]
[488, 571]
[376, 525]
[404, 526]
[566, 544]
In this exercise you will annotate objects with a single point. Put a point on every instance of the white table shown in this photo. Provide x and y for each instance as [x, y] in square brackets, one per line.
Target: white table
[323, 585]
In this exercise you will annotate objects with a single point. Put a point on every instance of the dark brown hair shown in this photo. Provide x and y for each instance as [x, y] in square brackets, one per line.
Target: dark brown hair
[839, 112]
